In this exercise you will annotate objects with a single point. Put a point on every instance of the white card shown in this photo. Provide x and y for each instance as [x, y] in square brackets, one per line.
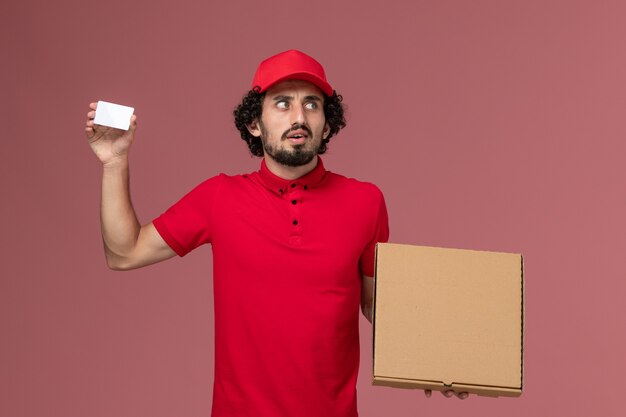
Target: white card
[113, 115]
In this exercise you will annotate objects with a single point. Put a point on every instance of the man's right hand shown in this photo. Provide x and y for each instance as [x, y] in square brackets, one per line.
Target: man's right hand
[127, 244]
[109, 144]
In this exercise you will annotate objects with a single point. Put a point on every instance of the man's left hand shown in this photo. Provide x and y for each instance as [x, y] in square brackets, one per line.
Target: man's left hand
[448, 394]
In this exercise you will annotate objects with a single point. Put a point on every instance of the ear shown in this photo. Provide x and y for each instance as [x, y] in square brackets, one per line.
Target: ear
[254, 128]
[326, 131]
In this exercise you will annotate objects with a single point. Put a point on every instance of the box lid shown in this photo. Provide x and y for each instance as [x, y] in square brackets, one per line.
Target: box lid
[448, 318]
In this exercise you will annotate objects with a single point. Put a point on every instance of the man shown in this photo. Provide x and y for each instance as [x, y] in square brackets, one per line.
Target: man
[293, 247]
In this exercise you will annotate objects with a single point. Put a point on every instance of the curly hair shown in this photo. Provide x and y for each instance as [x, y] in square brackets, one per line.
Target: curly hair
[251, 108]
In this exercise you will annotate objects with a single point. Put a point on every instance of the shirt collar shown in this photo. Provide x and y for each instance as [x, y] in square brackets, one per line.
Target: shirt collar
[281, 185]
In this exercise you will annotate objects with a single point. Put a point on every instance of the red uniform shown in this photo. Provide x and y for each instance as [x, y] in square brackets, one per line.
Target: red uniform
[287, 263]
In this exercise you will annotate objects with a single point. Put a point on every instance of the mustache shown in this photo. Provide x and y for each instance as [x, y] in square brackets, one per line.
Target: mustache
[297, 127]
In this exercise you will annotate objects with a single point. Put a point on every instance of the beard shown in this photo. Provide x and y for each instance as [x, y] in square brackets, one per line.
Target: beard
[298, 155]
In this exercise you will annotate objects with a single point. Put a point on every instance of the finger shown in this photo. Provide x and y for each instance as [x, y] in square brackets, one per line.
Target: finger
[93, 105]
[447, 393]
[462, 395]
[91, 114]
[428, 393]
[89, 132]
[133, 122]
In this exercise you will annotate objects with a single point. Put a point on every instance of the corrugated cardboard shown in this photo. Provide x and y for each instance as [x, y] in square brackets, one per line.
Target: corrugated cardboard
[448, 319]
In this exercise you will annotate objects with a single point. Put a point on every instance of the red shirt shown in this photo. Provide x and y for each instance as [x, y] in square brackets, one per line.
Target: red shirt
[287, 263]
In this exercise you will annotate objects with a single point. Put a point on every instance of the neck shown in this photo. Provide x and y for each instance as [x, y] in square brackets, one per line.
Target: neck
[287, 172]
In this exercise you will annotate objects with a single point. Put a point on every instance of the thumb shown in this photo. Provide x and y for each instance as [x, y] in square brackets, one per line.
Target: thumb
[133, 122]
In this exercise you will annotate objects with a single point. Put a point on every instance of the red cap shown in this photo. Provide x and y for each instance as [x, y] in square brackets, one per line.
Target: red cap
[290, 65]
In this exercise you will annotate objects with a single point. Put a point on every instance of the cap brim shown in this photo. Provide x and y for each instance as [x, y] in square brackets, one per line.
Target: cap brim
[305, 76]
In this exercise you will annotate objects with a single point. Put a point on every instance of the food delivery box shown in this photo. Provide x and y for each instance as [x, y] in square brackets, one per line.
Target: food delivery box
[448, 319]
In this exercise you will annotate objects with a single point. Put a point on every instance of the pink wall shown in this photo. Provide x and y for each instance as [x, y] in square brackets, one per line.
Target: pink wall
[488, 124]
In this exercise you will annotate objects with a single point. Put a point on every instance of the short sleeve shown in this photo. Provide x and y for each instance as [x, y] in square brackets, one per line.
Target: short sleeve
[188, 223]
[380, 234]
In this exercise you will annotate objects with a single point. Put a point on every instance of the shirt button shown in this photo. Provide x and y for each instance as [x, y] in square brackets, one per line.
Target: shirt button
[293, 201]
[295, 222]
[293, 185]
[306, 186]
[280, 191]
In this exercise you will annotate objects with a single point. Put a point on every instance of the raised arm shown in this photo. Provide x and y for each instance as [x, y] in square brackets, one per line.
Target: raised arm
[127, 244]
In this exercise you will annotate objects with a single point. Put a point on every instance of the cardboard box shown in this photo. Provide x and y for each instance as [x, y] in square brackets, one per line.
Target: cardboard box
[448, 319]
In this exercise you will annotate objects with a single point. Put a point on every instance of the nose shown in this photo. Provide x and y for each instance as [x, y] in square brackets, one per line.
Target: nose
[297, 115]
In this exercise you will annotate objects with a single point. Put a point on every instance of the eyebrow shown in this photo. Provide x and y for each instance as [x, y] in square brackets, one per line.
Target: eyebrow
[290, 98]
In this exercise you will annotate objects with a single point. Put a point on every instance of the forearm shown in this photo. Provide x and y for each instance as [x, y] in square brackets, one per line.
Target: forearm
[367, 296]
[120, 227]
[366, 309]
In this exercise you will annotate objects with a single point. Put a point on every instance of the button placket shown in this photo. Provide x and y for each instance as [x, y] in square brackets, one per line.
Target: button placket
[293, 198]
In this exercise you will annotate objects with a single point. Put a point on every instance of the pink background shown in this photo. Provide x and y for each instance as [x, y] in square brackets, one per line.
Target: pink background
[495, 125]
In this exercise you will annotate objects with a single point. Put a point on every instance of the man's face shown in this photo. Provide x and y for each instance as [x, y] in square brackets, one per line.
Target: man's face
[292, 123]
